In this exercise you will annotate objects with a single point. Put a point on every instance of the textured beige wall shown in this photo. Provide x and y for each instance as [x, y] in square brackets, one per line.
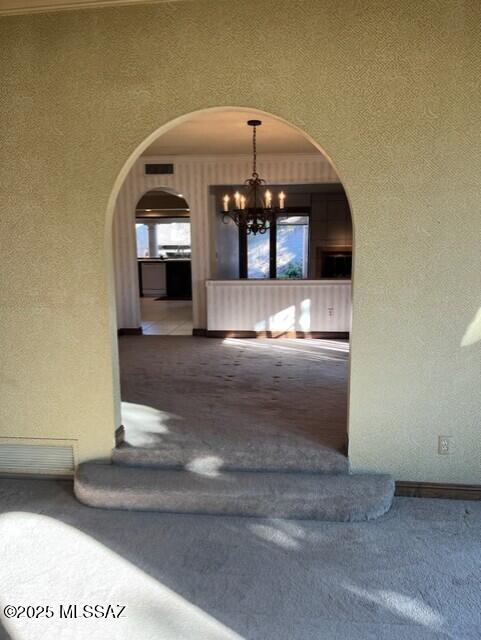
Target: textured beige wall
[391, 92]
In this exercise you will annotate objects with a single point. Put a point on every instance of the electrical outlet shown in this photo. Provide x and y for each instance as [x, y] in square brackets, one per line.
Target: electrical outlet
[445, 445]
[330, 311]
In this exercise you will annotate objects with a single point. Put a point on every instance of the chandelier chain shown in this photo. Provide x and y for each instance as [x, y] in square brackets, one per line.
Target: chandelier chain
[254, 151]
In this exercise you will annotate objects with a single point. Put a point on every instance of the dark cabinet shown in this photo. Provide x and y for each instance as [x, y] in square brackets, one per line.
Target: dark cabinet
[179, 279]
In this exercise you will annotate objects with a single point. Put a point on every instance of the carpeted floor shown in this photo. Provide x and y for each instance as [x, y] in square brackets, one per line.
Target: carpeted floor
[414, 573]
[240, 391]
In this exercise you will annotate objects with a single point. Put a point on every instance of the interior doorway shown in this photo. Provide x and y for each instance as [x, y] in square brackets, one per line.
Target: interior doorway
[163, 243]
[253, 403]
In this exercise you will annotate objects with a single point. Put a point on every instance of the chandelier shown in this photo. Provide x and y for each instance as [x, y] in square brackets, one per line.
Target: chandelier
[252, 208]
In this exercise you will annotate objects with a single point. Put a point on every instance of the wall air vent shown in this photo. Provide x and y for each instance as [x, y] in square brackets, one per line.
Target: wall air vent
[158, 169]
[26, 457]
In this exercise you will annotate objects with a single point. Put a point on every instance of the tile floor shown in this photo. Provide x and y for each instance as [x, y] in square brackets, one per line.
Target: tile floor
[166, 317]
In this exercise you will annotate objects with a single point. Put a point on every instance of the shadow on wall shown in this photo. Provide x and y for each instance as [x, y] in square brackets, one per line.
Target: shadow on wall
[280, 306]
[473, 332]
[292, 318]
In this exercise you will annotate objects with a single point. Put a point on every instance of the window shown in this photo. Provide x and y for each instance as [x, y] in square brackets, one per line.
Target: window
[258, 255]
[282, 252]
[292, 249]
[142, 232]
[163, 238]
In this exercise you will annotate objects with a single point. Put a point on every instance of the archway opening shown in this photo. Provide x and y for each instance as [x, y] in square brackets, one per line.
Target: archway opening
[163, 241]
[292, 282]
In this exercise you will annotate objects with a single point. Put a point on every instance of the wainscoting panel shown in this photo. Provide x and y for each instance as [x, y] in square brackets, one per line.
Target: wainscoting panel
[279, 305]
[192, 177]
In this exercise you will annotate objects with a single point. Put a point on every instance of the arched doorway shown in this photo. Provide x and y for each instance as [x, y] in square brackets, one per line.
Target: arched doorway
[233, 425]
[297, 295]
[163, 241]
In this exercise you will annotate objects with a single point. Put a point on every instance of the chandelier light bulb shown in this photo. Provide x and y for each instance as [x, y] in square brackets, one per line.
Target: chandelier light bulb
[253, 211]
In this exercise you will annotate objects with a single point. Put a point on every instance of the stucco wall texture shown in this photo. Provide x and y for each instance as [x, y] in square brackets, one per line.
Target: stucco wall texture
[389, 90]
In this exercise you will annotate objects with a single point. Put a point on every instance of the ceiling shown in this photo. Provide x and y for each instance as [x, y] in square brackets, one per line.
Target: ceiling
[158, 203]
[159, 199]
[226, 132]
[35, 6]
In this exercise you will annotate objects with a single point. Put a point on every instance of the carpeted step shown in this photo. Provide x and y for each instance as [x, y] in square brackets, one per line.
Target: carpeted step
[342, 498]
[259, 454]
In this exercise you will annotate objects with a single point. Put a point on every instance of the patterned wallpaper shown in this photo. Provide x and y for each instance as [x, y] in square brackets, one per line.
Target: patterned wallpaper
[192, 177]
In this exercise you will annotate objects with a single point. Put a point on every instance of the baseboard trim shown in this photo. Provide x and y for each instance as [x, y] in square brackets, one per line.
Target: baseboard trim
[328, 335]
[438, 490]
[37, 476]
[119, 435]
[130, 331]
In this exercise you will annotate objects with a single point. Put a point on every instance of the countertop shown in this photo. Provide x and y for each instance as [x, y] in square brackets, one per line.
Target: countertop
[163, 259]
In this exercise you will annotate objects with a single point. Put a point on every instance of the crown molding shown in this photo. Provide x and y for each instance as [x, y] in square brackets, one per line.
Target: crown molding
[229, 157]
[21, 7]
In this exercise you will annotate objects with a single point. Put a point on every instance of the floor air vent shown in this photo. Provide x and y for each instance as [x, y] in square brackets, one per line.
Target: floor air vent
[37, 459]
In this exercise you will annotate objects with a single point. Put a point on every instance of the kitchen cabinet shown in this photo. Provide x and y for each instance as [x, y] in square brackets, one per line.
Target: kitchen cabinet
[179, 279]
[165, 278]
[152, 278]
